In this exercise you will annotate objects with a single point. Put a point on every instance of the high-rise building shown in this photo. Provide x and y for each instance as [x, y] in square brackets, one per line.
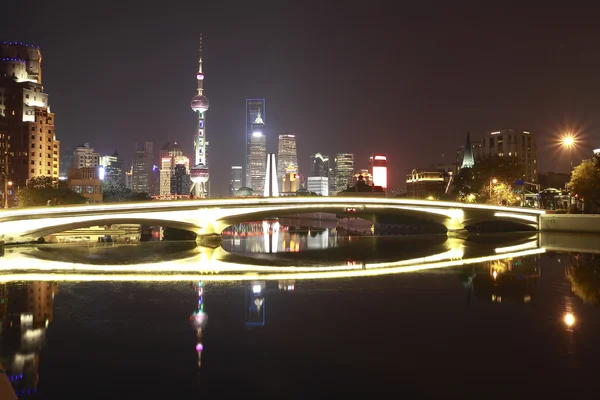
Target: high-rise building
[287, 159]
[290, 183]
[258, 161]
[515, 143]
[319, 165]
[344, 171]
[180, 179]
[171, 156]
[141, 168]
[27, 133]
[113, 169]
[468, 159]
[235, 182]
[129, 179]
[84, 156]
[199, 173]
[365, 176]
[254, 109]
[378, 167]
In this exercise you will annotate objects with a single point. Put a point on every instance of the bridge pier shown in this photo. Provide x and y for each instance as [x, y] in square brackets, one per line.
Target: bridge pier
[210, 240]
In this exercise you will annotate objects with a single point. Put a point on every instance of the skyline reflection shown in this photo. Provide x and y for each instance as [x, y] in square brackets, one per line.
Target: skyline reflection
[257, 300]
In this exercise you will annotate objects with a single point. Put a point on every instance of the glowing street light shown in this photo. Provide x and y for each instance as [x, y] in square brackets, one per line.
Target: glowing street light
[568, 141]
[492, 182]
[569, 319]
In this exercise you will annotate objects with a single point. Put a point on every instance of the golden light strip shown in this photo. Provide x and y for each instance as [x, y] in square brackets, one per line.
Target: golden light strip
[370, 271]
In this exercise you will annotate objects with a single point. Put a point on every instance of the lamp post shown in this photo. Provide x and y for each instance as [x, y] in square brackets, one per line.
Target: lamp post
[7, 184]
[569, 141]
[492, 182]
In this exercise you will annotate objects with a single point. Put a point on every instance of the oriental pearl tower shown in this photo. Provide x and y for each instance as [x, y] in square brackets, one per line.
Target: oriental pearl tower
[199, 172]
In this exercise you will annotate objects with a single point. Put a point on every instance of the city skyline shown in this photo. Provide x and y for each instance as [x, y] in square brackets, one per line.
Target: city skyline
[473, 86]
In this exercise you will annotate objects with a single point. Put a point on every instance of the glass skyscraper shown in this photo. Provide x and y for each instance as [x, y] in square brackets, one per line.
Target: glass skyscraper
[344, 171]
[254, 108]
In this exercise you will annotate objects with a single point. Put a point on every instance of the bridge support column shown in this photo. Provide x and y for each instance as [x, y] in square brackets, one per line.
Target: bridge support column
[210, 240]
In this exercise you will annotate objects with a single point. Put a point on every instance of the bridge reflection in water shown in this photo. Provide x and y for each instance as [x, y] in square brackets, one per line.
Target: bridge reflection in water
[496, 274]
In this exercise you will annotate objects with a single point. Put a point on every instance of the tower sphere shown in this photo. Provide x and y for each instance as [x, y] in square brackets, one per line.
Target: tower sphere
[200, 76]
[199, 103]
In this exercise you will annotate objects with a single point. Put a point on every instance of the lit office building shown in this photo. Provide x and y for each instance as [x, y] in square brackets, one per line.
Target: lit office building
[171, 156]
[318, 185]
[113, 169]
[87, 182]
[378, 167]
[28, 141]
[511, 143]
[287, 159]
[235, 182]
[84, 156]
[141, 179]
[258, 161]
[255, 108]
[344, 171]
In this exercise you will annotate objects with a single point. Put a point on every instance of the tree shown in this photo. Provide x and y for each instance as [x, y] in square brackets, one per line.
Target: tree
[116, 192]
[498, 193]
[40, 190]
[584, 274]
[475, 180]
[585, 183]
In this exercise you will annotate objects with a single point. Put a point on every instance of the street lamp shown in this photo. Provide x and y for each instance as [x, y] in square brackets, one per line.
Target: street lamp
[492, 181]
[7, 184]
[569, 141]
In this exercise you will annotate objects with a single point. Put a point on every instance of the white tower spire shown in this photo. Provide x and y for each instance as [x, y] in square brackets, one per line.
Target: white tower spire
[199, 173]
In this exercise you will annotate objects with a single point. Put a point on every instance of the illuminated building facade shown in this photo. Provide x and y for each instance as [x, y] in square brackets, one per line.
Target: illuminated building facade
[271, 186]
[319, 166]
[141, 173]
[113, 169]
[290, 182]
[318, 185]
[199, 172]
[423, 184]
[84, 156]
[287, 159]
[254, 109]
[344, 171]
[172, 159]
[86, 182]
[235, 181]
[29, 144]
[26, 310]
[258, 156]
[365, 175]
[378, 169]
[513, 143]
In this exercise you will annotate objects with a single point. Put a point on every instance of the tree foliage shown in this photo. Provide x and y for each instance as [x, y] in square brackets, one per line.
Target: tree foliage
[585, 182]
[40, 190]
[475, 180]
[584, 274]
[115, 192]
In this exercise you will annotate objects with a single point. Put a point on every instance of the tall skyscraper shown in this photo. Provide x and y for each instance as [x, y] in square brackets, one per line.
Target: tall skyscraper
[254, 108]
[287, 159]
[113, 169]
[258, 161]
[171, 157]
[344, 171]
[236, 179]
[27, 136]
[319, 165]
[141, 169]
[378, 169]
[180, 179]
[199, 173]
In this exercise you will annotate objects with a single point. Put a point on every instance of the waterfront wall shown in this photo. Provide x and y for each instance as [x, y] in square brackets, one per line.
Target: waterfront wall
[580, 223]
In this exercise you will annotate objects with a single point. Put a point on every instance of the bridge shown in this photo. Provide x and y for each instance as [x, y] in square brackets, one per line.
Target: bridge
[211, 216]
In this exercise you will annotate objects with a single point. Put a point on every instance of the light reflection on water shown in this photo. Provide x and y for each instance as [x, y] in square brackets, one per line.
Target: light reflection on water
[522, 292]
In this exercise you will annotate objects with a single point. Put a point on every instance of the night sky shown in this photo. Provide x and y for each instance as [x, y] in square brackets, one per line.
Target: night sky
[405, 78]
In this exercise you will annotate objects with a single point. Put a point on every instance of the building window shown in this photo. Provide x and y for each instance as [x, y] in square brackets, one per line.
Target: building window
[32, 145]
[90, 190]
[32, 162]
[33, 130]
[32, 170]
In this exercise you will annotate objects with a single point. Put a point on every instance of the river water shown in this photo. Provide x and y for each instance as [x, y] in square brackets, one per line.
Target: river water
[283, 313]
